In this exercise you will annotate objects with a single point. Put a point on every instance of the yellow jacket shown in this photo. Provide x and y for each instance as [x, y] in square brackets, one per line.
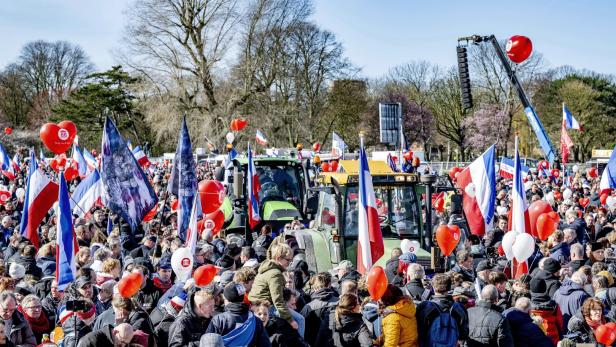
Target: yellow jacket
[400, 325]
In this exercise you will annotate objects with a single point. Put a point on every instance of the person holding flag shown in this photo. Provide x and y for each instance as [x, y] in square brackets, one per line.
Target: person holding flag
[252, 187]
[66, 242]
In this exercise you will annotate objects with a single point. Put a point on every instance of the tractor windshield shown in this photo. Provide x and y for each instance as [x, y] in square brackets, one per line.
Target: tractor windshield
[396, 206]
[279, 183]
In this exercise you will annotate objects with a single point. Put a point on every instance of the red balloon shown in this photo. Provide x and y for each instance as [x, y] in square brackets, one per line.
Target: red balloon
[376, 282]
[408, 155]
[453, 173]
[535, 210]
[605, 335]
[53, 163]
[130, 284]
[58, 137]
[204, 275]
[501, 251]
[325, 167]
[416, 161]
[61, 161]
[8, 130]
[555, 173]
[212, 194]
[214, 221]
[333, 166]
[174, 205]
[316, 147]
[593, 172]
[545, 226]
[558, 195]
[439, 205]
[584, 202]
[447, 238]
[519, 48]
[554, 216]
[238, 124]
[603, 198]
[70, 173]
[150, 215]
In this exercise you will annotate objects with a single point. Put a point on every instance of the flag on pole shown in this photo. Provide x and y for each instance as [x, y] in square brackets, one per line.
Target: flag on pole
[252, 187]
[128, 192]
[77, 157]
[141, 157]
[338, 145]
[183, 181]
[608, 177]
[520, 220]
[370, 245]
[261, 139]
[478, 183]
[15, 162]
[87, 194]
[41, 193]
[565, 143]
[568, 119]
[6, 164]
[109, 225]
[66, 241]
[92, 162]
[392, 163]
[42, 157]
[129, 144]
[192, 232]
[507, 169]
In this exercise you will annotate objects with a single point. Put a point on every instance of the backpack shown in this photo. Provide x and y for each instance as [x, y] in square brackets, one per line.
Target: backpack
[424, 296]
[443, 330]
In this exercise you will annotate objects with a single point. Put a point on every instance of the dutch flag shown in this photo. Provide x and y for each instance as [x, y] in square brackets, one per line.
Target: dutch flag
[261, 139]
[77, 157]
[608, 177]
[66, 241]
[252, 188]
[141, 157]
[87, 194]
[520, 220]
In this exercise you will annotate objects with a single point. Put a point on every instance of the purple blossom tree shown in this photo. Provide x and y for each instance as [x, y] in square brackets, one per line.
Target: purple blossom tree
[487, 125]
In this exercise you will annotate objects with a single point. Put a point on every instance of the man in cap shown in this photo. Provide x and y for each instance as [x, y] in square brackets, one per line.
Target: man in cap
[483, 276]
[162, 277]
[237, 315]
[145, 249]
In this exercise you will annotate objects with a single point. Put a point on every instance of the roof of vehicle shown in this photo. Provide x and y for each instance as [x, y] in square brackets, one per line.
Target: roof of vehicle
[350, 168]
[243, 160]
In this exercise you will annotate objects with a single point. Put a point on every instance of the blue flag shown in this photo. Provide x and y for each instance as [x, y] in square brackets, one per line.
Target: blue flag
[183, 180]
[128, 190]
[66, 242]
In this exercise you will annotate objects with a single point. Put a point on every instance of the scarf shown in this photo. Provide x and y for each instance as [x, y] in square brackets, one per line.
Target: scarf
[594, 325]
[40, 325]
[164, 286]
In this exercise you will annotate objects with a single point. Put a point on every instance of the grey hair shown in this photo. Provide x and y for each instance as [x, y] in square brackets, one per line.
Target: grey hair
[523, 304]
[415, 272]
[489, 293]
[577, 249]
[579, 278]
[29, 298]
[6, 294]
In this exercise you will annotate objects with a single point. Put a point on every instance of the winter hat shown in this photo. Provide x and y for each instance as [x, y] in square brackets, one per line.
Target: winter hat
[596, 246]
[17, 271]
[551, 265]
[234, 292]
[211, 340]
[178, 301]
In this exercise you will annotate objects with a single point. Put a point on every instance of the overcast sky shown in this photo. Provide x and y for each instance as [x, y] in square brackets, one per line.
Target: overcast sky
[376, 34]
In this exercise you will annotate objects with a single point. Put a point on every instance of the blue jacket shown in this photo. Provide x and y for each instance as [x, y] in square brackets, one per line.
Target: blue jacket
[570, 297]
[524, 331]
[561, 253]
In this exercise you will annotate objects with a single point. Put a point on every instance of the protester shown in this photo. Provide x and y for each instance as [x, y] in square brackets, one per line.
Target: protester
[345, 326]
[193, 321]
[399, 322]
[523, 329]
[17, 328]
[583, 325]
[486, 325]
[571, 295]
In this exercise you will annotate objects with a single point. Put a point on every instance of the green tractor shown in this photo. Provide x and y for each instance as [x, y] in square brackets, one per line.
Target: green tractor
[283, 185]
[333, 234]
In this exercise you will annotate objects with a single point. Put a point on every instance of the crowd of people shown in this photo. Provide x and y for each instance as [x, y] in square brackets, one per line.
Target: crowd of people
[265, 294]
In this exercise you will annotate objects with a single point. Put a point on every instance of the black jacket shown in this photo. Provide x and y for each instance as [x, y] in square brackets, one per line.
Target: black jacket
[468, 276]
[30, 264]
[315, 311]
[579, 225]
[417, 292]
[138, 319]
[351, 331]
[524, 331]
[487, 327]
[162, 317]
[148, 296]
[234, 315]
[70, 333]
[50, 307]
[391, 269]
[552, 282]
[576, 264]
[98, 338]
[187, 329]
[282, 334]
[427, 311]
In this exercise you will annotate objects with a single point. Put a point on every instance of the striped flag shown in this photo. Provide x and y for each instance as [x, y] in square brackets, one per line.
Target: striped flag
[252, 187]
[392, 163]
[507, 169]
[90, 160]
[6, 164]
[42, 160]
[568, 119]
[87, 194]
[338, 145]
[192, 232]
[66, 241]
[608, 177]
[80, 160]
[41, 193]
[141, 157]
[520, 220]
[261, 139]
[370, 239]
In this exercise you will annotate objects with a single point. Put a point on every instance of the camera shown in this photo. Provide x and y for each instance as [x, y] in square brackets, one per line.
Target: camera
[76, 305]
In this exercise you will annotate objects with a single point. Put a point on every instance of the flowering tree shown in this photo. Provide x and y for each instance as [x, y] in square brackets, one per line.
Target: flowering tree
[486, 126]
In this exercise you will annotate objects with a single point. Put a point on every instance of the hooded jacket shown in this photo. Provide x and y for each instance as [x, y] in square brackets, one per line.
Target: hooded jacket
[268, 285]
[30, 264]
[570, 297]
[487, 327]
[400, 325]
[236, 314]
[351, 331]
[317, 310]
[70, 334]
[188, 327]
[138, 318]
[552, 318]
[391, 269]
[98, 338]
[427, 311]
[524, 331]
[551, 282]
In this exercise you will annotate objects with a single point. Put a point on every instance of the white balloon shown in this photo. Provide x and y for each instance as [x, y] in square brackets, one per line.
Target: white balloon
[523, 247]
[230, 137]
[528, 185]
[549, 197]
[182, 263]
[567, 194]
[507, 243]
[610, 201]
[575, 168]
[405, 245]
[414, 246]
[501, 210]
[20, 193]
[470, 190]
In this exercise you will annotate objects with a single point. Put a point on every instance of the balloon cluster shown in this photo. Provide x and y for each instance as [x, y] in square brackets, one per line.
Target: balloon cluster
[329, 166]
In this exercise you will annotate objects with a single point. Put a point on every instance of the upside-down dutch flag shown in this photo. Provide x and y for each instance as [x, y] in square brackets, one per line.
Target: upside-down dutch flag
[608, 177]
[42, 160]
[141, 157]
[570, 121]
[252, 188]
[478, 183]
[520, 220]
[87, 194]
[261, 139]
[15, 163]
[77, 157]
[41, 193]
[370, 239]
[90, 160]
[66, 241]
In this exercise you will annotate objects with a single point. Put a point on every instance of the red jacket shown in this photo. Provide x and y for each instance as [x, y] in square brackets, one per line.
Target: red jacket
[552, 322]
